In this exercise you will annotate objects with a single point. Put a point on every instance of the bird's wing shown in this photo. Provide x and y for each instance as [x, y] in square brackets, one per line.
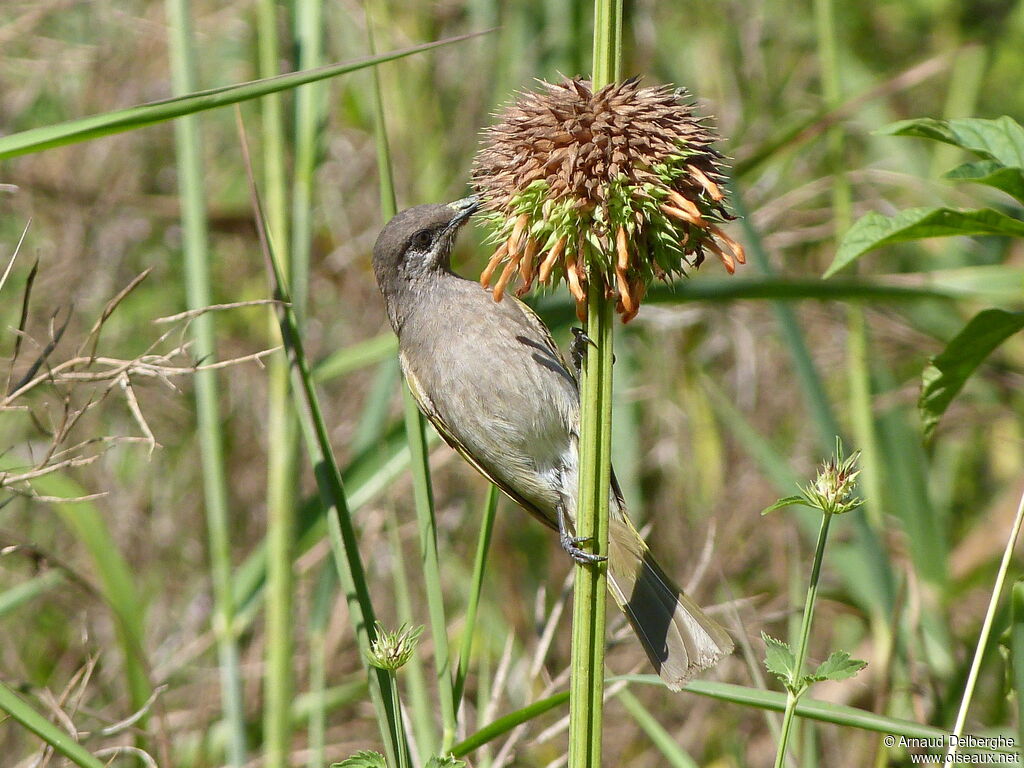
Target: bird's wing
[545, 334]
[542, 330]
[446, 433]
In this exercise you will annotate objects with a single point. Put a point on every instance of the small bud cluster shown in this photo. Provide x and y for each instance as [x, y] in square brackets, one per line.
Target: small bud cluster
[833, 489]
[392, 650]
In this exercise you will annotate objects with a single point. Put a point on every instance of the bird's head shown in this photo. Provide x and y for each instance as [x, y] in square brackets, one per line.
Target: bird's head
[419, 240]
[413, 247]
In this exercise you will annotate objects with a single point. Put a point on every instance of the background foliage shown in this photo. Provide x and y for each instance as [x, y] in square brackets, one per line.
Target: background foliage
[730, 391]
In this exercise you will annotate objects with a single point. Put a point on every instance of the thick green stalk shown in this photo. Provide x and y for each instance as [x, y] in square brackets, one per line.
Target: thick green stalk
[793, 696]
[586, 700]
[198, 294]
[279, 676]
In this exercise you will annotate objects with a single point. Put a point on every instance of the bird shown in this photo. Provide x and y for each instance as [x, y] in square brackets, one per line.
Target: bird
[495, 386]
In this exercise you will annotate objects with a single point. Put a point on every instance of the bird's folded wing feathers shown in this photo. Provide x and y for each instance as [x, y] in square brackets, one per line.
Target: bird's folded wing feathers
[446, 433]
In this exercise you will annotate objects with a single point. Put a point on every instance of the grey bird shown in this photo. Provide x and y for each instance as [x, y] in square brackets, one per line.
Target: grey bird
[493, 383]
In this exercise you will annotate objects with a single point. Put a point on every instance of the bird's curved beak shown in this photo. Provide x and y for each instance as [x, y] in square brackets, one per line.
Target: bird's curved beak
[463, 208]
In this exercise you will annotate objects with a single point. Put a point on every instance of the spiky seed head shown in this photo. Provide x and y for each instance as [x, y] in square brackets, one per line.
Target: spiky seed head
[392, 650]
[608, 190]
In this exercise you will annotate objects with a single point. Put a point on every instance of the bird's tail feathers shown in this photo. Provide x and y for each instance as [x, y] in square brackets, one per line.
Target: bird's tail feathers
[679, 638]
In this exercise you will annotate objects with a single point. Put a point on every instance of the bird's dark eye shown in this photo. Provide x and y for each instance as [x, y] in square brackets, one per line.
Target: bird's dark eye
[423, 239]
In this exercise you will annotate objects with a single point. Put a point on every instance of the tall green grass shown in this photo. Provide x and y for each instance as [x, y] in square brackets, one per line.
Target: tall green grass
[776, 360]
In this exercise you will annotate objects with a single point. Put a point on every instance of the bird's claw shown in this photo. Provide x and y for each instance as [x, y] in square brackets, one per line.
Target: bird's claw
[571, 545]
[578, 348]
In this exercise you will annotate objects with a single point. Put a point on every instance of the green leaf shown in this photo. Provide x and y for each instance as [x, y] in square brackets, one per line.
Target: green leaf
[949, 370]
[86, 128]
[786, 502]
[364, 758]
[838, 666]
[1001, 139]
[875, 230]
[993, 174]
[61, 741]
[779, 659]
[445, 761]
[774, 701]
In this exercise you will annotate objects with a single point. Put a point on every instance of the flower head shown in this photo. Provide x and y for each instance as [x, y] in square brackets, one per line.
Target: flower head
[833, 489]
[609, 189]
[392, 650]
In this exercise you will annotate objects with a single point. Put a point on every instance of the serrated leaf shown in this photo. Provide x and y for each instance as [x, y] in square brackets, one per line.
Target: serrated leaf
[993, 174]
[789, 501]
[875, 230]
[946, 372]
[779, 659]
[838, 666]
[1001, 139]
[364, 758]
[445, 761]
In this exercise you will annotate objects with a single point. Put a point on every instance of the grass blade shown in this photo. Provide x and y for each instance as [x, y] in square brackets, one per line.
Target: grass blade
[476, 587]
[95, 126]
[986, 630]
[61, 741]
[341, 531]
[675, 756]
[211, 442]
[278, 676]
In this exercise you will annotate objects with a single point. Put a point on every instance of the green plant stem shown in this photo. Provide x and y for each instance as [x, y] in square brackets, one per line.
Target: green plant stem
[586, 699]
[280, 432]
[396, 716]
[420, 464]
[309, 109]
[586, 702]
[479, 563]
[340, 529]
[202, 329]
[415, 427]
[986, 630]
[795, 690]
[421, 709]
[319, 617]
[758, 698]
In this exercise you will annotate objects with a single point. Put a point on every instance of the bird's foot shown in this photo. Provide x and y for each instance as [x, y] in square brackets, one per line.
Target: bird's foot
[578, 347]
[571, 544]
